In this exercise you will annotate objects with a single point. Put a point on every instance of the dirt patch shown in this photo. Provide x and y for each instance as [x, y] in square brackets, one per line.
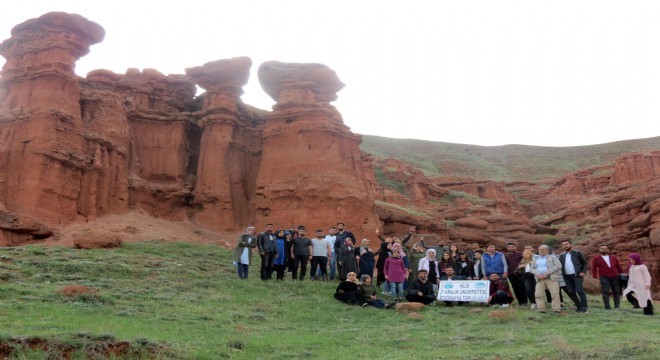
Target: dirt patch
[82, 346]
[137, 226]
[76, 290]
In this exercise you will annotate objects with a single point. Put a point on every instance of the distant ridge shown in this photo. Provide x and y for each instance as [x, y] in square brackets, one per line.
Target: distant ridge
[501, 163]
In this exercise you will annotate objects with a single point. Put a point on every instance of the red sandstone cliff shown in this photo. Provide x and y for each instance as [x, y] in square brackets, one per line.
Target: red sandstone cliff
[74, 149]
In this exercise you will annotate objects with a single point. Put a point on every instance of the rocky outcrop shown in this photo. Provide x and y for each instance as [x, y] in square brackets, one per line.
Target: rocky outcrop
[43, 155]
[73, 149]
[312, 171]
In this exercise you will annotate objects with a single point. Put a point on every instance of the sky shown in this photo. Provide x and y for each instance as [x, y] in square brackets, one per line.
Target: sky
[546, 73]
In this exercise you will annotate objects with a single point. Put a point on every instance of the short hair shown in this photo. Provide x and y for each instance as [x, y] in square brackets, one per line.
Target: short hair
[302, 227]
[477, 252]
[545, 247]
[270, 224]
[333, 227]
[566, 240]
[319, 230]
[422, 271]
[489, 245]
[341, 223]
[507, 244]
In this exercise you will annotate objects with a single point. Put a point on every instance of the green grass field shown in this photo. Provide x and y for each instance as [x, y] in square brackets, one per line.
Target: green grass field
[184, 301]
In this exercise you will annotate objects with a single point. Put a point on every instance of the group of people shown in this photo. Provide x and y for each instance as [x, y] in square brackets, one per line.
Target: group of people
[414, 273]
[331, 255]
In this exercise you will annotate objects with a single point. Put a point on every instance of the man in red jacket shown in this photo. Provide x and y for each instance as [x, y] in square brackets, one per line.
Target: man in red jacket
[606, 268]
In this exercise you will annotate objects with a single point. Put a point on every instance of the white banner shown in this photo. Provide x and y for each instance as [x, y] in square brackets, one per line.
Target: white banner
[464, 290]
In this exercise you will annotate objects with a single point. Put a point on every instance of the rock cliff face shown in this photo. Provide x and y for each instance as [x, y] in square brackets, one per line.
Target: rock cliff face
[74, 149]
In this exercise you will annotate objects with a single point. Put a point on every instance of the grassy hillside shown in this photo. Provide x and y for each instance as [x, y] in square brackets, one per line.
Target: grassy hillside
[185, 301]
[503, 163]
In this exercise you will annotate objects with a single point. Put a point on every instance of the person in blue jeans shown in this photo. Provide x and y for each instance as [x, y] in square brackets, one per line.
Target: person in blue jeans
[243, 252]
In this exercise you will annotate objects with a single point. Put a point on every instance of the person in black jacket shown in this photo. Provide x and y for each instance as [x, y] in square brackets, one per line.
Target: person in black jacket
[347, 291]
[267, 251]
[421, 290]
[574, 267]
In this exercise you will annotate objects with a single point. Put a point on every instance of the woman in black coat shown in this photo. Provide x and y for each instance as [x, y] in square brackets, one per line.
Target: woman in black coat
[347, 290]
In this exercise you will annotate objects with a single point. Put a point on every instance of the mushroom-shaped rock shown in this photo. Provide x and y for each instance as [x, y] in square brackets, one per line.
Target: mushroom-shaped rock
[301, 83]
[233, 73]
[76, 34]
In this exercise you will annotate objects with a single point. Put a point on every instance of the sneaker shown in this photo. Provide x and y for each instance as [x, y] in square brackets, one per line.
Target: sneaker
[390, 305]
[532, 307]
[505, 305]
[365, 304]
[495, 306]
[585, 310]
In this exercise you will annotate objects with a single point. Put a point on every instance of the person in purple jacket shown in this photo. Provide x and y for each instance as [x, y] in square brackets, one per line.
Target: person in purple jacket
[395, 273]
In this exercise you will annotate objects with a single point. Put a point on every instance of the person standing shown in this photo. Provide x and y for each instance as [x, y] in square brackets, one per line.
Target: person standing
[342, 234]
[395, 273]
[439, 249]
[493, 262]
[320, 251]
[366, 260]
[517, 281]
[524, 269]
[416, 254]
[267, 251]
[301, 252]
[478, 270]
[243, 252]
[470, 253]
[574, 267]
[281, 260]
[347, 261]
[547, 270]
[331, 238]
[606, 269]
[638, 291]
[464, 266]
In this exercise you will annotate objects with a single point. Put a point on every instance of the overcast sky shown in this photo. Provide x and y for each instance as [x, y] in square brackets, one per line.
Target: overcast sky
[551, 73]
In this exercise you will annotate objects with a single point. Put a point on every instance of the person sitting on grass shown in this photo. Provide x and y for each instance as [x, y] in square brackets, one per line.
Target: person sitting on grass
[368, 293]
[500, 292]
[421, 290]
[347, 291]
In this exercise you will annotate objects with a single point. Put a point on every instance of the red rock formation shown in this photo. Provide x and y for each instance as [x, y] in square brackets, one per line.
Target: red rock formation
[229, 147]
[111, 143]
[311, 169]
[42, 149]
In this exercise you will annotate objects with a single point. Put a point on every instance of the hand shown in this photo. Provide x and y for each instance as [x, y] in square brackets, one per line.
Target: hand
[505, 274]
[647, 286]
[377, 232]
[421, 239]
[581, 274]
[340, 291]
[419, 293]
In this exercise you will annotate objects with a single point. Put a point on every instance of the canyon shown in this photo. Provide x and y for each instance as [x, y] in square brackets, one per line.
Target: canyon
[77, 150]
